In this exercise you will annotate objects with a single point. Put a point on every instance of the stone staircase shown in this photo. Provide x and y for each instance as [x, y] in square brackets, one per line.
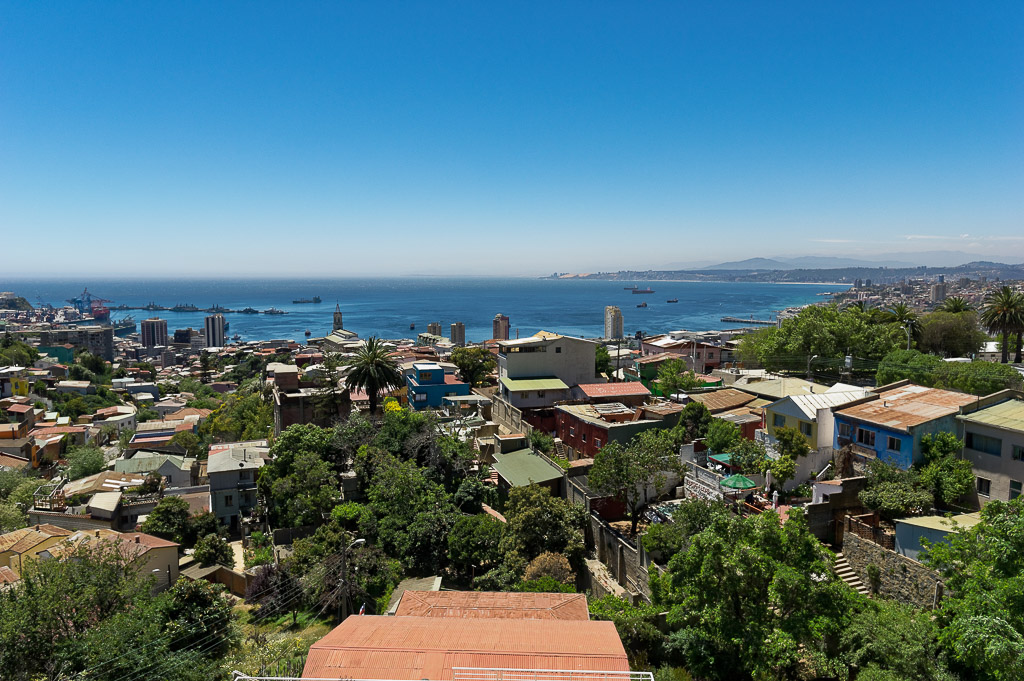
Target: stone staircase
[846, 573]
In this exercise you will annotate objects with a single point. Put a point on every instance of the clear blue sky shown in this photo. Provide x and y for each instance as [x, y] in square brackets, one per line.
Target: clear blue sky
[357, 138]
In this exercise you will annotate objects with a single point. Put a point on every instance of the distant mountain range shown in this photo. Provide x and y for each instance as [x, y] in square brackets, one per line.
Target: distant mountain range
[815, 262]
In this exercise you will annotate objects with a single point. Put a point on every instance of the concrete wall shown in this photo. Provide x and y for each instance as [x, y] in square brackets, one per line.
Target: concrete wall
[901, 578]
[999, 470]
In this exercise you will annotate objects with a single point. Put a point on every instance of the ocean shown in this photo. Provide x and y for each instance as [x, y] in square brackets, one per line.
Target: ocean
[386, 307]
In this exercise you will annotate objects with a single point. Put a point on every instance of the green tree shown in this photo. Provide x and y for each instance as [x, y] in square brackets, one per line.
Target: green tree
[752, 598]
[1003, 313]
[373, 371]
[627, 472]
[475, 364]
[205, 366]
[474, 543]
[12, 517]
[948, 476]
[603, 361]
[694, 421]
[977, 378]
[200, 525]
[690, 517]
[84, 460]
[722, 436]
[950, 334]
[637, 626]
[791, 442]
[550, 565]
[169, 520]
[956, 305]
[675, 377]
[213, 549]
[190, 442]
[981, 619]
[893, 492]
[539, 522]
[199, 612]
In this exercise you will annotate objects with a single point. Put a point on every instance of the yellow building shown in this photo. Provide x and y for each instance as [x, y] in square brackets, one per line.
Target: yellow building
[22, 546]
[811, 414]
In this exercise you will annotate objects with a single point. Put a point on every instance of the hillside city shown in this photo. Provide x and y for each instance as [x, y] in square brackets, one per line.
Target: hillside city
[834, 494]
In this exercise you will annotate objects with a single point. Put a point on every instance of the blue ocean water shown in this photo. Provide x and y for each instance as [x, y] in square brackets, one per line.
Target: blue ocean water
[386, 307]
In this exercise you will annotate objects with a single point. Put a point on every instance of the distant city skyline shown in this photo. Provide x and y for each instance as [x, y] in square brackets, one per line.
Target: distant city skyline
[322, 139]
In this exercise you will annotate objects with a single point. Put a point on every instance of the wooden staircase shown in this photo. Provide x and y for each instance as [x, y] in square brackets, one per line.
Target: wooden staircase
[846, 573]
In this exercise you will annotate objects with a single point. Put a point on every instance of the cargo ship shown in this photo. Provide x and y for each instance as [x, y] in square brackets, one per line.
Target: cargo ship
[184, 307]
[274, 310]
[303, 301]
[642, 290]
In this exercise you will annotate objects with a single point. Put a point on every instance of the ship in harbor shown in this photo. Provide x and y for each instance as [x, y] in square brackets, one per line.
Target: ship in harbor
[643, 304]
[630, 288]
[303, 301]
[274, 310]
[672, 300]
[249, 310]
[184, 307]
[642, 290]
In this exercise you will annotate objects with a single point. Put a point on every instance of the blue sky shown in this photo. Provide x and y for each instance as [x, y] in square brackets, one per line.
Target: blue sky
[346, 138]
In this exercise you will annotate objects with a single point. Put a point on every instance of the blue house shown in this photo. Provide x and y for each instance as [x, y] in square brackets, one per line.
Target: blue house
[428, 385]
[889, 424]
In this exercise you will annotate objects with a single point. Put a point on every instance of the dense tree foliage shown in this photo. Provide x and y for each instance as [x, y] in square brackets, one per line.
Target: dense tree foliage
[213, 549]
[674, 377]
[84, 460]
[982, 617]
[372, 370]
[948, 334]
[627, 472]
[1003, 314]
[977, 378]
[825, 331]
[475, 364]
[722, 436]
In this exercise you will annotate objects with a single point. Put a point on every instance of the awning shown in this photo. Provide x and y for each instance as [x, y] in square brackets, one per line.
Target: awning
[523, 384]
[738, 482]
[724, 459]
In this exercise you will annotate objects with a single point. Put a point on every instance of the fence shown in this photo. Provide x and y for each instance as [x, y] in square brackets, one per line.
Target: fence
[871, 532]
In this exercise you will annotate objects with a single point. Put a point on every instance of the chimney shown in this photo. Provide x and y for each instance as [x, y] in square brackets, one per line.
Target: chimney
[37, 528]
[136, 539]
[97, 534]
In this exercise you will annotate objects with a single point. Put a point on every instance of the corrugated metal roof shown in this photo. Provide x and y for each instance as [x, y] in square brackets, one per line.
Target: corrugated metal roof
[1008, 415]
[378, 647]
[907, 406]
[547, 383]
[522, 467]
[723, 400]
[810, 404]
[940, 522]
[613, 389]
[492, 604]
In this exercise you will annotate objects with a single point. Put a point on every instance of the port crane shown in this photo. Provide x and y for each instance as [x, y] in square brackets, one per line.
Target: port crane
[89, 304]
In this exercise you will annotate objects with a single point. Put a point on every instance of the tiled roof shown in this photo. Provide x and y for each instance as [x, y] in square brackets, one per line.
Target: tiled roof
[497, 605]
[376, 647]
[906, 406]
[7, 575]
[24, 539]
[613, 389]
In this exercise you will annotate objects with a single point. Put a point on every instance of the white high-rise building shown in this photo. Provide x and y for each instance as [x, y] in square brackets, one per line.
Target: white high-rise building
[214, 327]
[612, 322]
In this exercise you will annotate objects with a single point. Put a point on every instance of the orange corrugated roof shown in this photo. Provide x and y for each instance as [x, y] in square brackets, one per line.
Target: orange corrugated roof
[494, 604]
[613, 389]
[376, 647]
[905, 406]
[723, 400]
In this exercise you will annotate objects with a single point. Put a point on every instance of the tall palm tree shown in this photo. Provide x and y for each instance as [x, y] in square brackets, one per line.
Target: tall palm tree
[1019, 329]
[956, 305]
[1003, 313]
[906, 318]
[373, 371]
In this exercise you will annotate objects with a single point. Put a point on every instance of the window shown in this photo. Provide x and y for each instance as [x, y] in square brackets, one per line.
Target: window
[984, 443]
[893, 444]
[597, 442]
[572, 431]
[558, 349]
[984, 486]
[244, 475]
[844, 430]
[425, 376]
[778, 420]
[1014, 489]
[1018, 453]
[540, 393]
[583, 437]
[229, 500]
[866, 437]
[419, 397]
[805, 428]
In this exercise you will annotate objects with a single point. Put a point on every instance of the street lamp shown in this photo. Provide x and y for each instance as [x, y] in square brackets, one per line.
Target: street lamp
[809, 360]
[343, 606]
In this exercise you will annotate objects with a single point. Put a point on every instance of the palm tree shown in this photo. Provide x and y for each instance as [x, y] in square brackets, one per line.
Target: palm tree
[1003, 313]
[1019, 329]
[373, 371]
[956, 305]
[906, 318]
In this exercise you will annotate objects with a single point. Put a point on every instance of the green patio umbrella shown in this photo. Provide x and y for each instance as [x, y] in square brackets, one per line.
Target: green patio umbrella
[738, 482]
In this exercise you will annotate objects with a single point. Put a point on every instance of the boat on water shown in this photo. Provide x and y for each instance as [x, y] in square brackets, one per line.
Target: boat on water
[642, 290]
[308, 333]
[250, 310]
[274, 310]
[412, 326]
[184, 307]
[672, 300]
[303, 301]
[643, 304]
[236, 337]
[630, 288]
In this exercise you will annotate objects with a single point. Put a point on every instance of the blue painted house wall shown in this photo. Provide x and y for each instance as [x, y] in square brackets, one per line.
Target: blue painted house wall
[428, 387]
[910, 442]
